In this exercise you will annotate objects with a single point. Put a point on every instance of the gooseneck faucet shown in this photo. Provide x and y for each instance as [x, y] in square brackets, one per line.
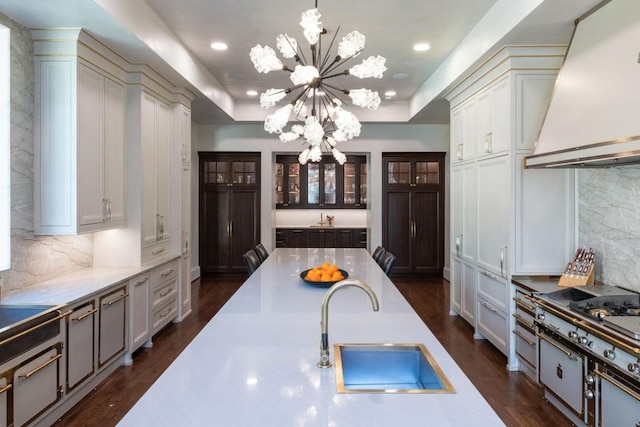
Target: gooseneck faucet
[324, 323]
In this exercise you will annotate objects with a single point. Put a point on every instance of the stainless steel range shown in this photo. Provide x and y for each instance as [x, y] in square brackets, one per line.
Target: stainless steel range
[590, 353]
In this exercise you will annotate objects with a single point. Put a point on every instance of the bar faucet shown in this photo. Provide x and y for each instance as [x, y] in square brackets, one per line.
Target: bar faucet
[321, 220]
[324, 323]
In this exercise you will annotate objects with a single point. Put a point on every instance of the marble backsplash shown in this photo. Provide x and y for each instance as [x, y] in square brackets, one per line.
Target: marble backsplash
[609, 222]
[33, 258]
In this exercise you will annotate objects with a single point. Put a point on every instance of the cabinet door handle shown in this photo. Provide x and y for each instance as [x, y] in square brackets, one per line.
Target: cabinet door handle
[141, 281]
[41, 367]
[502, 266]
[489, 275]
[524, 304]
[159, 251]
[488, 307]
[116, 300]
[458, 244]
[230, 228]
[522, 320]
[168, 272]
[6, 388]
[164, 294]
[84, 316]
[569, 354]
[108, 209]
[518, 333]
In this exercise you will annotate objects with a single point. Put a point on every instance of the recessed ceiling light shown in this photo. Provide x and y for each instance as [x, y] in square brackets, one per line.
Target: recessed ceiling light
[252, 93]
[421, 47]
[390, 93]
[219, 46]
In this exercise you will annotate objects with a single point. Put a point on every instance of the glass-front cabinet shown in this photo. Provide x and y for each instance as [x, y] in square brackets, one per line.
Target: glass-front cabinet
[288, 182]
[325, 184]
[355, 183]
[230, 172]
[413, 172]
[321, 184]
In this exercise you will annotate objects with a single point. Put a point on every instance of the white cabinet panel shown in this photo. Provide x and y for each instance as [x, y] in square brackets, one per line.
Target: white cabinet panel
[111, 341]
[139, 313]
[493, 220]
[80, 344]
[469, 293]
[156, 177]
[456, 285]
[493, 324]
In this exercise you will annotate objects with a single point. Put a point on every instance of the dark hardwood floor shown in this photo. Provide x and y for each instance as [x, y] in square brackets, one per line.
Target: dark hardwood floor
[517, 400]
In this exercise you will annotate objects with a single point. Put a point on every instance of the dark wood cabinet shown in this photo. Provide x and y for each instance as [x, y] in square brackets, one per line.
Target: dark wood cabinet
[321, 238]
[325, 184]
[413, 211]
[229, 209]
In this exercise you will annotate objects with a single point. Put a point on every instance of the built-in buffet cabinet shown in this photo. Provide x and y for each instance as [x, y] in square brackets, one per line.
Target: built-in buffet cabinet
[505, 220]
[321, 237]
[323, 184]
[79, 135]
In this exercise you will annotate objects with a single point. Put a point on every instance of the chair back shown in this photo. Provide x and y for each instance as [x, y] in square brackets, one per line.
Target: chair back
[386, 262]
[377, 254]
[261, 251]
[252, 260]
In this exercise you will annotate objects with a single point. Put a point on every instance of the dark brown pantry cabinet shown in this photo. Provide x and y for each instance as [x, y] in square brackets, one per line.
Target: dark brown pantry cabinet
[229, 209]
[413, 211]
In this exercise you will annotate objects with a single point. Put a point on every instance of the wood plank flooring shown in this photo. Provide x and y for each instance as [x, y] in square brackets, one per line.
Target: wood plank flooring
[517, 400]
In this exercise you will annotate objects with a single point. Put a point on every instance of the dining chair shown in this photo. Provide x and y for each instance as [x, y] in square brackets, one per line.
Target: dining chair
[252, 260]
[386, 262]
[377, 254]
[261, 251]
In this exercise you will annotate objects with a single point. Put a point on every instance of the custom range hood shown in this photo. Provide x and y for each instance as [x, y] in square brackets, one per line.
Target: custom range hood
[593, 119]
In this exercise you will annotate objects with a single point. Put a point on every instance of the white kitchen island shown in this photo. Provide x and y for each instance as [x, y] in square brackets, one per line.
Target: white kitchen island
[254, 363]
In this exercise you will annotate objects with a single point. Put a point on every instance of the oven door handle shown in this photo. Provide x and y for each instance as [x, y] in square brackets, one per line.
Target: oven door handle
[570, 355]
[617, 384]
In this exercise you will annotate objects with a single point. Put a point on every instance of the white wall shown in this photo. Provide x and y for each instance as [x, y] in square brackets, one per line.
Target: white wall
[373, 141]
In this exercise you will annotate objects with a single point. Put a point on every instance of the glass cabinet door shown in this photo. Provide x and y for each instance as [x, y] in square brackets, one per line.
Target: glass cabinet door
[354, 183]
[293, 184]
[244, 172]
[279, 180]
[427, 172]
[287, 183]
[313, 183]
[350, 183]
[363, 183]
[330, 184]
[398, 172]
[216, 172]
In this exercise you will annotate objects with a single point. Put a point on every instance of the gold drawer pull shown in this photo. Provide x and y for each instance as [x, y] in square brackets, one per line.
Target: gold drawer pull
[522, 320]
[518, 333]
[41, 367]
[87, 314]
[116, 300]
[5, 388]
[524, 304]
[23, 333]
[617, 384]
[569, 354]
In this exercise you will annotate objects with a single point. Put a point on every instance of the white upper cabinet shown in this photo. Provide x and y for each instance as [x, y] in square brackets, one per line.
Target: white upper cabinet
[79, 138]
[156, 173]
[494, 118]
[101, 106]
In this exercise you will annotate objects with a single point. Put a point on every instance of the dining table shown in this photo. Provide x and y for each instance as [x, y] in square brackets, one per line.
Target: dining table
[255, 362]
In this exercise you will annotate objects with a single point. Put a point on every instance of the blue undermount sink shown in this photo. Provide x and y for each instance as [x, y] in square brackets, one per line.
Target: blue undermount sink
[388, 368]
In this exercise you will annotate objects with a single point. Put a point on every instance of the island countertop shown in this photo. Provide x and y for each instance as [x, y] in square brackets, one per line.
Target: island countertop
[254, 363]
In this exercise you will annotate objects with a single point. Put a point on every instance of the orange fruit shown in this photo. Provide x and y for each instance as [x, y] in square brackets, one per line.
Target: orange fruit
[325, 277]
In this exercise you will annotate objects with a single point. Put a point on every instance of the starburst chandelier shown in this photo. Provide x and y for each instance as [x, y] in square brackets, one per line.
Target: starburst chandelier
[321, 120]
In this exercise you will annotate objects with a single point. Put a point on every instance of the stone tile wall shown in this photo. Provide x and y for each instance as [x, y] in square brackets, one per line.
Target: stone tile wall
[609, 221]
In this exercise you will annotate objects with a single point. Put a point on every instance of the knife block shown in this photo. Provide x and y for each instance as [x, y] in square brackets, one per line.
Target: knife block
[568, 279]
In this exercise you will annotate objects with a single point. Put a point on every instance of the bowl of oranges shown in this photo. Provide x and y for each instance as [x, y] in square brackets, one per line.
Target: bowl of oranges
[323, 275]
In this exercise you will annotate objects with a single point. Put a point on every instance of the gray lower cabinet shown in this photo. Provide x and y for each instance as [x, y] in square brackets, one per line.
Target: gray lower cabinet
[81, 324]
[111, 330]
[36, 385]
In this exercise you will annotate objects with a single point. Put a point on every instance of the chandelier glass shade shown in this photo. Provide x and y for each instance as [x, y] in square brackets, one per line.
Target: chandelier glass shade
[316, 106]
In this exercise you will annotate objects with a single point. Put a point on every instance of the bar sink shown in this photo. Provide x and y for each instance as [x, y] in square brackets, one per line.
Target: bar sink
[388, 368]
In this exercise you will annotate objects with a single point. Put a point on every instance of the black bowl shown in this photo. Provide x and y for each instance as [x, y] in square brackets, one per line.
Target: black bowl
[322, 284]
